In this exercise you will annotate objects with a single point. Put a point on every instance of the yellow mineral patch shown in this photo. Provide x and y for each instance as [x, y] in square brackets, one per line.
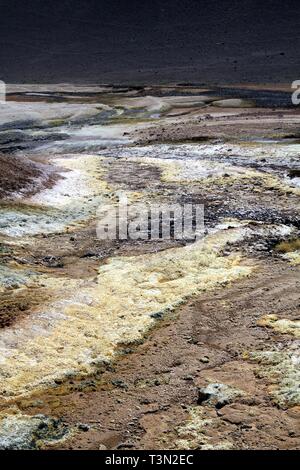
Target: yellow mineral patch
[282, 325]
[87, 320]
[197, 431]
[280, 366]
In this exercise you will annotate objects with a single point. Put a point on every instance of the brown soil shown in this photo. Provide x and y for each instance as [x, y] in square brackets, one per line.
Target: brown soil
[142, 400]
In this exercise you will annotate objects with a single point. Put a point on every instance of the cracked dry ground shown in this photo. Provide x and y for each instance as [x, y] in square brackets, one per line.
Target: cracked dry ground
[200, 348]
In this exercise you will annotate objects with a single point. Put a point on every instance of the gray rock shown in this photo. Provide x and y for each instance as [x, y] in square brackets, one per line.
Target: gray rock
[83, 427]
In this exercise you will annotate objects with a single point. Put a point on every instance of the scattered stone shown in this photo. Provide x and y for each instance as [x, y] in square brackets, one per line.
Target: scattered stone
[218, 395]
[281, 367]
[294, 173]
[89, 254]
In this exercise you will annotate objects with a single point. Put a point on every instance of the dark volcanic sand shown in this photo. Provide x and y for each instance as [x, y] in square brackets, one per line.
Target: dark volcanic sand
[133, 42]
